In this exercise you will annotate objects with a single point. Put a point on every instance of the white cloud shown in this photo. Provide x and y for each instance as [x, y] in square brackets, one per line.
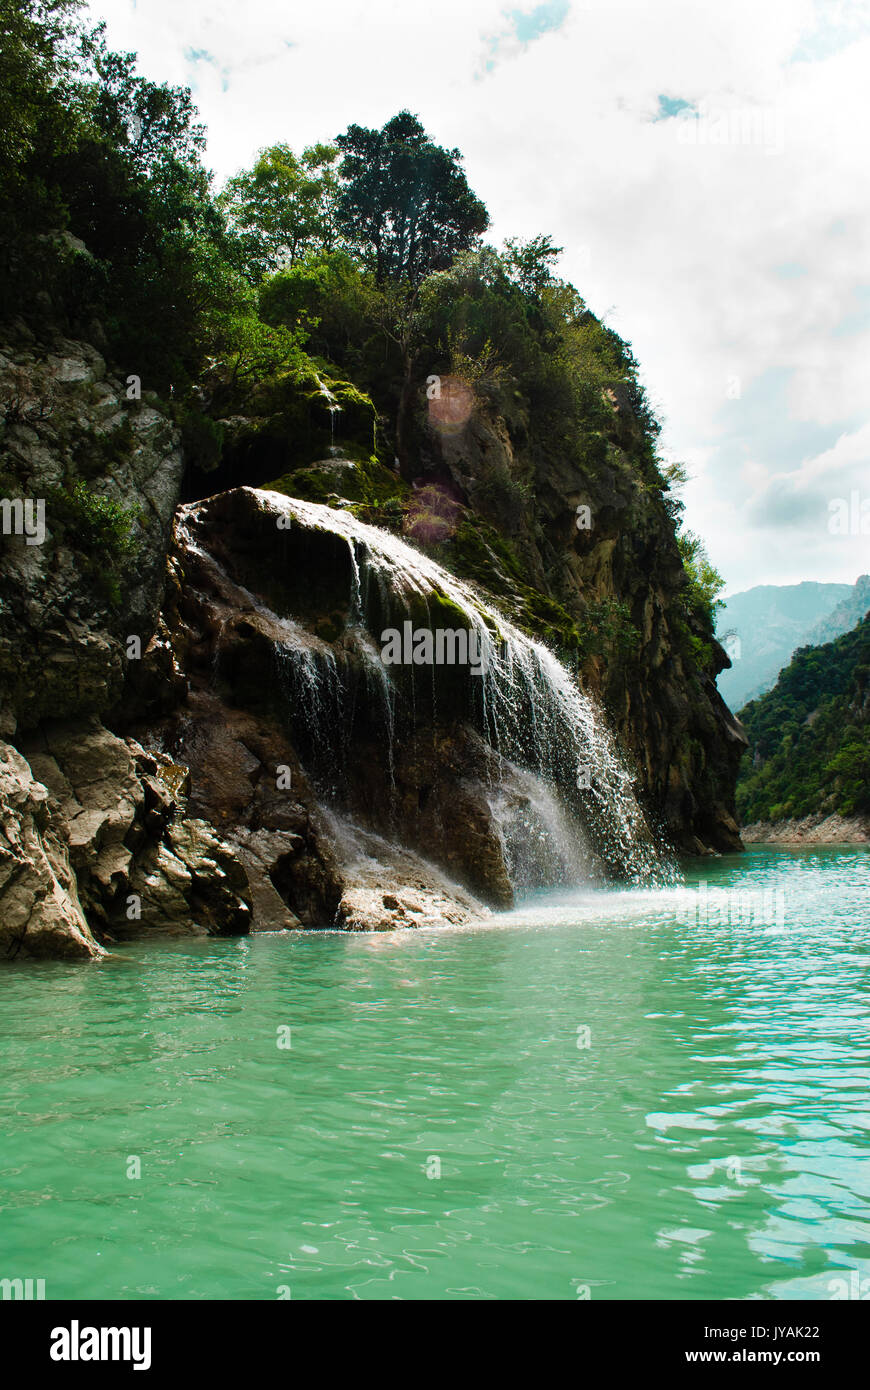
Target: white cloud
[730, 267]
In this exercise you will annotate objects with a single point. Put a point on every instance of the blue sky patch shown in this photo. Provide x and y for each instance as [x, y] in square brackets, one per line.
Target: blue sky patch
[531, 24]
[200, 55]
[671, 106]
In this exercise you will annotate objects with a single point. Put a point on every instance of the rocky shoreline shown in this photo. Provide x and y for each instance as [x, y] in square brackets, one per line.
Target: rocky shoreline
[809, 830]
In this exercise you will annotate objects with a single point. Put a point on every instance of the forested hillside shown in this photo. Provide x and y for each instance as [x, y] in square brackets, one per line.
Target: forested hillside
[809, 737]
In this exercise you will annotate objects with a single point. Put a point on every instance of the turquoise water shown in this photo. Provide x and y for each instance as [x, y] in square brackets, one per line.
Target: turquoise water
[712, 1141]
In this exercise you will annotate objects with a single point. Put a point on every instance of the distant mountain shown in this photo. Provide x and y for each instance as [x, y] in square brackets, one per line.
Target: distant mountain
[761, 627]
[809, 737]
[845, 616]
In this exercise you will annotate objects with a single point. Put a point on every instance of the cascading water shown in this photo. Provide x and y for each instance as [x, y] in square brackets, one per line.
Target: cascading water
[334, 409]
[542, 844]
[524, 704]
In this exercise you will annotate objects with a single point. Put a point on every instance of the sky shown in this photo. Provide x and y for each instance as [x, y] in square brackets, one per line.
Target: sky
[703, 165]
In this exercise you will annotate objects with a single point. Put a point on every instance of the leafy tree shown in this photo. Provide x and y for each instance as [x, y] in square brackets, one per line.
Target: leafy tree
[327, 296]
[153, 125]
[40, 58]
[704, 582]
[405, 205]
[529, 263]
[282, 208]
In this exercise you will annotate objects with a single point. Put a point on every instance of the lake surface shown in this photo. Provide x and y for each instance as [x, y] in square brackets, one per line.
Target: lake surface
[438, 1126]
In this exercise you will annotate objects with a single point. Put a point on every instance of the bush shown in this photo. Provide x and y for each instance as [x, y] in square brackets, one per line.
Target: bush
[99, 530]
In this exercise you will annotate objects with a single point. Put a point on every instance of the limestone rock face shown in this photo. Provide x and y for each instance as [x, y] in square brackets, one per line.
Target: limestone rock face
[68, 604]
[190, 881]
[96, 843]
[668, 716]
[247, 586]
[292, 732]
[389, 890]
[40, 913]
[97, 848]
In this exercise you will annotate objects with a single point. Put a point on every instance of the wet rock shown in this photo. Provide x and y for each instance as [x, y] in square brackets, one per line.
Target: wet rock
[262, 853]
[236, 760]
[387, 888]
[192, 882]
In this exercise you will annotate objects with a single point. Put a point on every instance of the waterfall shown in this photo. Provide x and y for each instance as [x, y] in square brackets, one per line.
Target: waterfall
[542, 843]
[334, 409]
[576, 800]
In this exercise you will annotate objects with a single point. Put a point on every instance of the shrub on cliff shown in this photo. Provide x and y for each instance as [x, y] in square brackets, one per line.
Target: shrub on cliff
[98, 530]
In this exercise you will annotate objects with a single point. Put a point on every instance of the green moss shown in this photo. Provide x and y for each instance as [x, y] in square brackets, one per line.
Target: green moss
[478, 552]
[318, 484]
[364, 481]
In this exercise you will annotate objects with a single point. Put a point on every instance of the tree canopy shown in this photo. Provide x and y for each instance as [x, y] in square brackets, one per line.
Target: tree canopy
[405, 205]
[282, 208]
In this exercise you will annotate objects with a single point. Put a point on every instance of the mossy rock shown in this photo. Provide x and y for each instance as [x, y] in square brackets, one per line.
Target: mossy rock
[317, 411]
[322, 482]
[362, 480]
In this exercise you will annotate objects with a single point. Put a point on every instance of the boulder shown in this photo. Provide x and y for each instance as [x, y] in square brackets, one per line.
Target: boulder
[40, 912]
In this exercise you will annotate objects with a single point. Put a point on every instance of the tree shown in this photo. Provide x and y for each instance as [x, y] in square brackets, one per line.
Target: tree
[326, 294]
[704, 582]
[136, 193]
[40, 56]
[282, 208]
[405, 205]
[529, 263]
[152, 124]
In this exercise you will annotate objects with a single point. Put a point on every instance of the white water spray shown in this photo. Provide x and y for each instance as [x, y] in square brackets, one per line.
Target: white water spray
[529, 708]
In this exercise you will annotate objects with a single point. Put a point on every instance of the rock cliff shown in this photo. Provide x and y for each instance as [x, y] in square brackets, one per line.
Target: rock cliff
[611, 580]
[200, 733]
[92, 841]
